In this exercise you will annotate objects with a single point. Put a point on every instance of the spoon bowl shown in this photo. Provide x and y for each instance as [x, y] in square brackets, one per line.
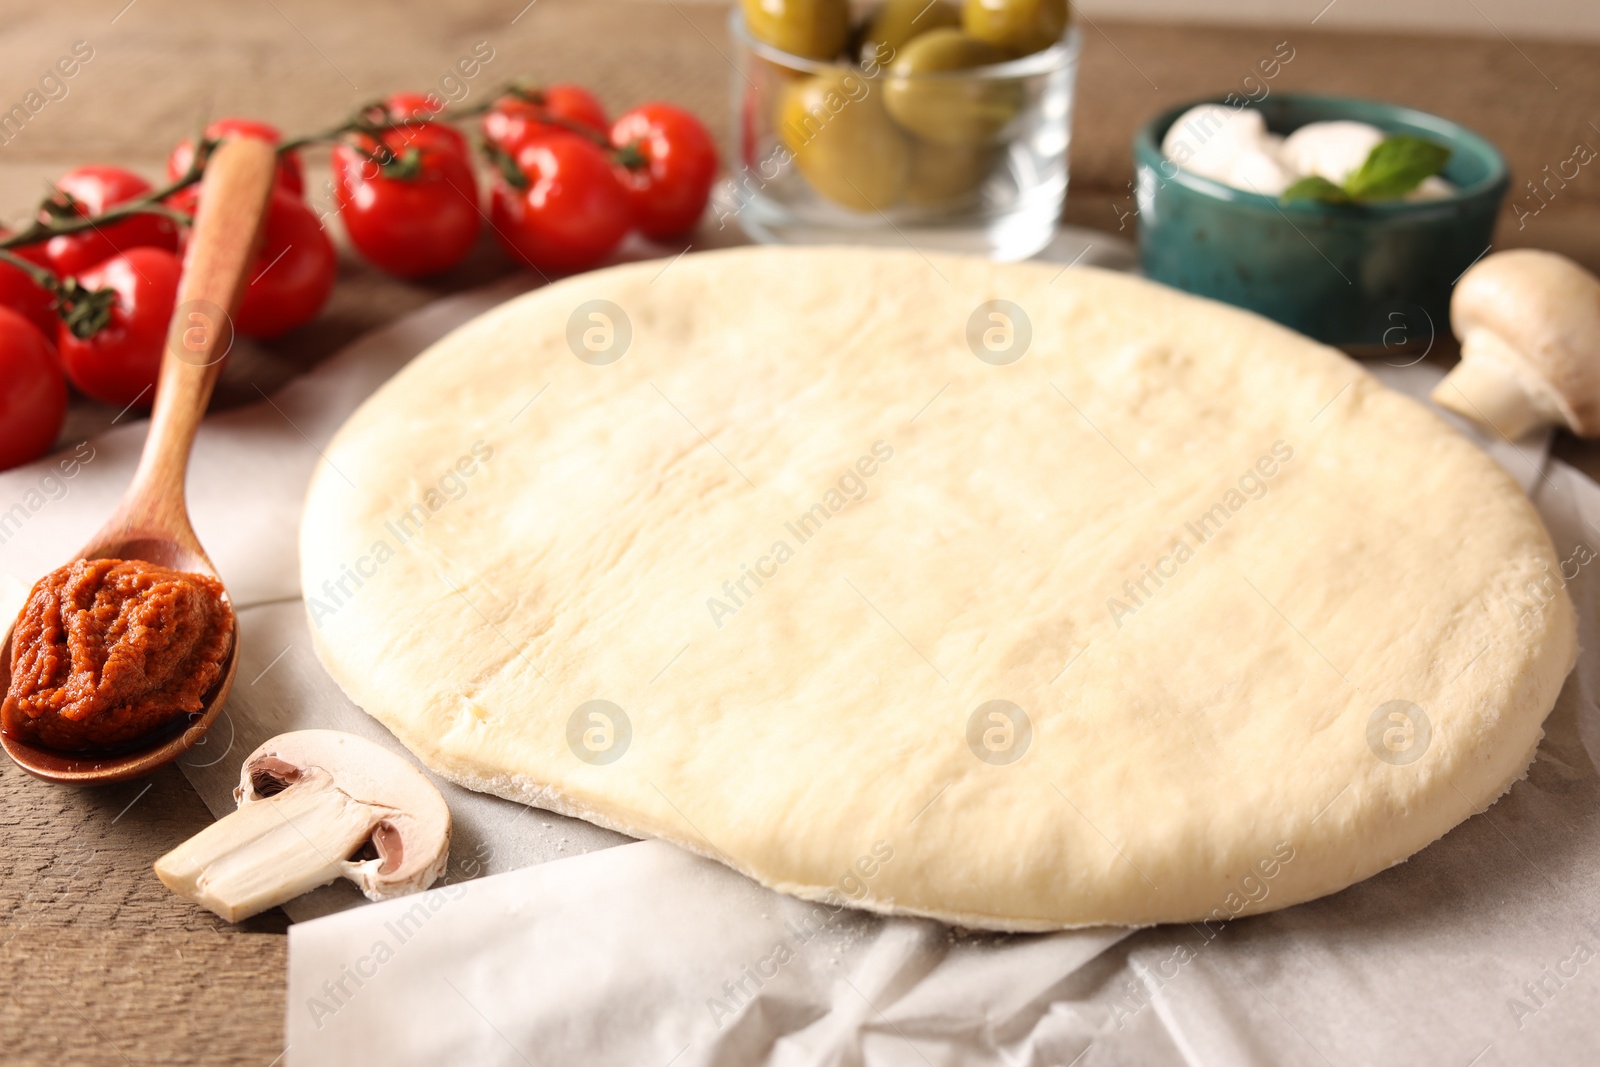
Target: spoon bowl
[152, 522]
[147, 754]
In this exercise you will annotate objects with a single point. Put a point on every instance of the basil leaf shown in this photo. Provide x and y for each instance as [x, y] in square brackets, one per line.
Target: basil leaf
[1315, 187]
[1397, 165]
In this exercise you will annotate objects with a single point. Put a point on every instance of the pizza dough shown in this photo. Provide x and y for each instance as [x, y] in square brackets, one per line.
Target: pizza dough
[1014, 597]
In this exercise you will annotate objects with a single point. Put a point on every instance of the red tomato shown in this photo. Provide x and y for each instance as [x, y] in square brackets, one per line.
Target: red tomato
[575, 104]
[293, 273]
[98, 189]
[290, 176]
[186, 200]
[572, 212]
[409, 224]
[120, 363]
[33, 395]
[20, 293]
[671, 189]
[425, 106]
[511, 121]
[514, 121]
[414, 105]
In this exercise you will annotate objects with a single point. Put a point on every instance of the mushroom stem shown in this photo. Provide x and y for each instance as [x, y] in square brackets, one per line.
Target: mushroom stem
[272, 850]
[1494, 387]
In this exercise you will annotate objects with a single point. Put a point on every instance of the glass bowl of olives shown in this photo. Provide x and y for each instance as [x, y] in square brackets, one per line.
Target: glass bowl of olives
[942, 124]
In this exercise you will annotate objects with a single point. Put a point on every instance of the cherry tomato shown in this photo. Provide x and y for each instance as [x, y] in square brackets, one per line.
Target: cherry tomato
[290, 176]
[572, 212]
[416, 215]
[672, 187]
[96, 190]
[119, 364]
[425, 106]
[510, 123]
[293, 273]
[33, 395]
[514, 121]
[576, 104]
[186, 200]
[295, 267]
[20, 293]
[414, 105]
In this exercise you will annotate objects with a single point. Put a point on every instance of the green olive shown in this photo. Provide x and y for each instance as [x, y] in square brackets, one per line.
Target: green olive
[816, 29]
[895, 22]
[843, 141]
[945, 175]
[1021, 27]
[950, 110]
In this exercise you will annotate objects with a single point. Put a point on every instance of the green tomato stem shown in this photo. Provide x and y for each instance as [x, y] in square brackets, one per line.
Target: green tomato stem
[53, 224]
[41, 276]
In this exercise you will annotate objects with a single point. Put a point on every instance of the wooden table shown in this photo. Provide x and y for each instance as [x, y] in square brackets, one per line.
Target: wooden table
[100, 964]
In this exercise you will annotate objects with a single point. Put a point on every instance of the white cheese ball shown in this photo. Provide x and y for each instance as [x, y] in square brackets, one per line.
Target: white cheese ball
[1434, 188]
[1261, 169]
[1230, 145]
[1208, 139]
[1332, 150]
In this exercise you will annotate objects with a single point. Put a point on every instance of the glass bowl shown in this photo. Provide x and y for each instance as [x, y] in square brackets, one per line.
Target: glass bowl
[970, 161]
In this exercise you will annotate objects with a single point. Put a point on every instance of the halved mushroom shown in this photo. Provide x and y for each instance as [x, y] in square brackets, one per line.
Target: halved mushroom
[315, 805]
[1529, 326]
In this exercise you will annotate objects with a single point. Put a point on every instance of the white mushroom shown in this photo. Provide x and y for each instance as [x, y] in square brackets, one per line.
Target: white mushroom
[1529, 326]
[315, 805]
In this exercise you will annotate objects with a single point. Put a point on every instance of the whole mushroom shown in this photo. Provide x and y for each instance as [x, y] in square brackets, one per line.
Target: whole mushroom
[1529, 326]
[315, 805]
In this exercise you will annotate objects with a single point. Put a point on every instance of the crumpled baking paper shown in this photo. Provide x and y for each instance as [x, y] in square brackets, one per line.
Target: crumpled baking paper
[1480, 950]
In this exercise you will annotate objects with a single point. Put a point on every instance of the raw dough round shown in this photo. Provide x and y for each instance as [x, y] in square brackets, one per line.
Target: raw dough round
[1014, 597]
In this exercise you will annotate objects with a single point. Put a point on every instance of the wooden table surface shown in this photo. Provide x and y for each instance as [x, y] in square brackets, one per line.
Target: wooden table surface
[100, 964]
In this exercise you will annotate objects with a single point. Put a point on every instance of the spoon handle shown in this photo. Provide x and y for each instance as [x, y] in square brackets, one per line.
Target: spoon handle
[233, 203]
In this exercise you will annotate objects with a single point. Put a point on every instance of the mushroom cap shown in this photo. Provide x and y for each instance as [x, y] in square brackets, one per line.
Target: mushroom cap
[412, 825]
[1546, 309]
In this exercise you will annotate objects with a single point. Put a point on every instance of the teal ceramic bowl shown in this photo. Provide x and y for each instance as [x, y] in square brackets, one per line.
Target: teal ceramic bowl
[1367, 277]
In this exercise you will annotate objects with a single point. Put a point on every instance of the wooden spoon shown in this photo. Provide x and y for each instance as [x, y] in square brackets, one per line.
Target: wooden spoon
[152, 521]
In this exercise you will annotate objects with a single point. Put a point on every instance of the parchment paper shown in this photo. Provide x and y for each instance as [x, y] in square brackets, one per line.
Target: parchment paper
[1478, 951]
